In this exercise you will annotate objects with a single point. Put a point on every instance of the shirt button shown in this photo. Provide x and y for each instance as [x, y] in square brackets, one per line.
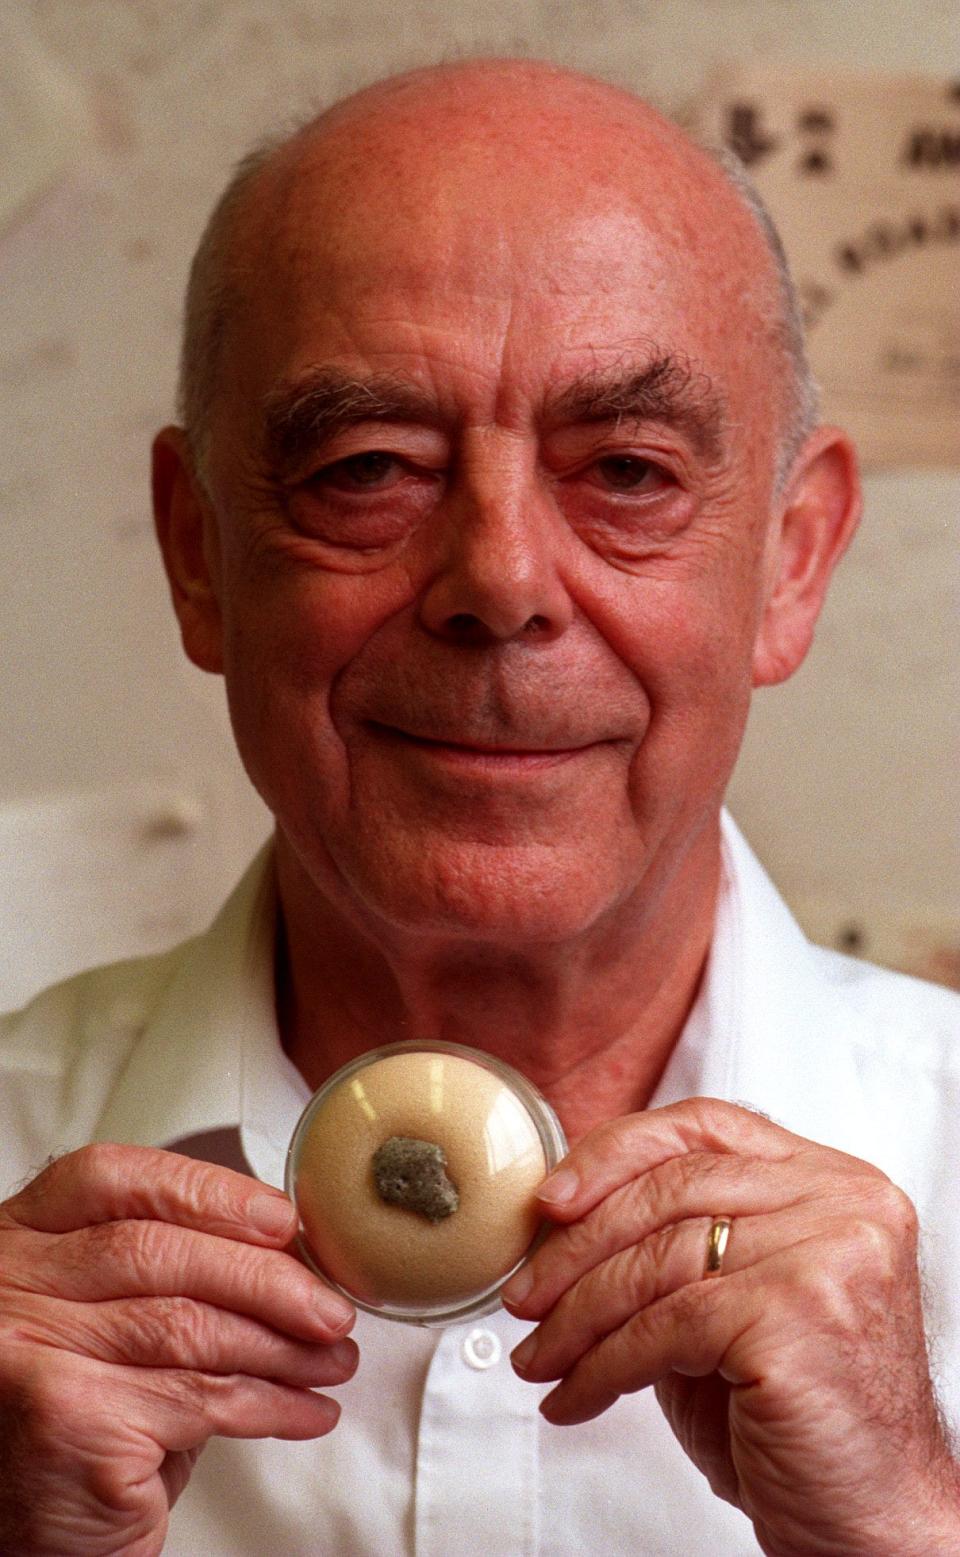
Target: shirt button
[482, 1349]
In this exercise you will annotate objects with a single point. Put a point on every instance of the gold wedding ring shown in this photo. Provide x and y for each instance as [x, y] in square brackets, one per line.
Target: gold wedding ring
[717, 1241]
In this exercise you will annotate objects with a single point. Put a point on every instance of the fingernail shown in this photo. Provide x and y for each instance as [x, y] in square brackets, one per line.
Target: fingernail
[522, 1356]
[518, 1288]
[271, 1214]
[343, 1354]
[559, 1187]
[336, 1312]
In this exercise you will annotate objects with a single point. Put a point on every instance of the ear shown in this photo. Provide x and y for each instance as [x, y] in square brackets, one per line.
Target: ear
[816, 520]
[186, 530]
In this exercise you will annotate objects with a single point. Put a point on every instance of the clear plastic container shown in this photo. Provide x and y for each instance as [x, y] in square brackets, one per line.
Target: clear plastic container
[463, 1140]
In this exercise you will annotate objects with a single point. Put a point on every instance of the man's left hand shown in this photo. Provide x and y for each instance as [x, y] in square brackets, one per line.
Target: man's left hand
[797, 1378]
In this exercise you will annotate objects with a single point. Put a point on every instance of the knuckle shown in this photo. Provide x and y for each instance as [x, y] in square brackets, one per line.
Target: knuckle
[196, 1186]
[687, 1304]
[90, 1167]
[637, 1272]
[898, 1210]
[192, 1392]
[656, 1194]
[74, 1174]
[101, 1159]
[689, 1171]
[146, 1248]
[579, 1238]
[265, 1282]
[713, 1118]
[139, 1248]
[158, 1326]
[708, 1112]
[606, 1143]
[831, 1297]
[851, 1281]
[215, 1197]
[663, 1248]
[877, 1253]
[675, 1186]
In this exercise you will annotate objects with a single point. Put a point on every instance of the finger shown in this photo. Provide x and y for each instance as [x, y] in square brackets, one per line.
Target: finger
[608, 1296]
[175, 1470]
[753, 1328]
[181, 1410]
[107, 1183]
[695, 1185]
[134, 1416]
[619, 1149]
[176, 1332]
[702, 1328]
[153, 1259]
[604, 1299]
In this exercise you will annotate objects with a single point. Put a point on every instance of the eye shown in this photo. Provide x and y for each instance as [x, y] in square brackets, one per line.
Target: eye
[628, 473]
[371, 471]
[364, 502]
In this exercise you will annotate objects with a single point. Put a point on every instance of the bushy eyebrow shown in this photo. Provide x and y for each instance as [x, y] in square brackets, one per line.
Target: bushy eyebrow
[299, 418]
[665, 388]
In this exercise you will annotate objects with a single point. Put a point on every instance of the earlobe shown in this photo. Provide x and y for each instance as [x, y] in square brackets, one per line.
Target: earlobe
[187, 535]
[818, 516]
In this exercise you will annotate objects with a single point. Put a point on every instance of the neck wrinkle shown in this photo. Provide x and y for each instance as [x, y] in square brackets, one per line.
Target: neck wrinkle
[592, 1028]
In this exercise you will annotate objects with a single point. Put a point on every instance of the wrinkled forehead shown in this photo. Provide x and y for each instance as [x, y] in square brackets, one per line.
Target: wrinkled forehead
[575, 232]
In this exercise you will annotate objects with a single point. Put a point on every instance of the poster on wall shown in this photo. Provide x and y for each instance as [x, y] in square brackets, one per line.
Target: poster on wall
[862, 176]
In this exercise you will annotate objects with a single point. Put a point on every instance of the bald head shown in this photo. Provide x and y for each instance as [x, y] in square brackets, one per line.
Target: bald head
[530, 145]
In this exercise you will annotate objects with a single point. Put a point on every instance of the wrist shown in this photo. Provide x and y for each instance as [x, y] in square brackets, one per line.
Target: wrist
[924, 1522]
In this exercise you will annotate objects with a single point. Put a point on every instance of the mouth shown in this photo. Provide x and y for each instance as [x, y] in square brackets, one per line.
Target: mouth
[492, 755]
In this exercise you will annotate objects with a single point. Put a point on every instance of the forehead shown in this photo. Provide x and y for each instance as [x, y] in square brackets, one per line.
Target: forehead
[514, 260]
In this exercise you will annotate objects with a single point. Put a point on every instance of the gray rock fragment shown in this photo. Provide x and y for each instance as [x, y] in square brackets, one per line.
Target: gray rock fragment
[412, 1174]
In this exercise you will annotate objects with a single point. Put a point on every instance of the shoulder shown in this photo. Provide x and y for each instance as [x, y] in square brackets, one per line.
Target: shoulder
[61, 1054]
[893, 1013]
[98, 1050]
[94, 1009]
[84, 1009]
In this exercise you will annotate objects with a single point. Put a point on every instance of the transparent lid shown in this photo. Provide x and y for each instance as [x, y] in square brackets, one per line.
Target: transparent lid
[414, 1171]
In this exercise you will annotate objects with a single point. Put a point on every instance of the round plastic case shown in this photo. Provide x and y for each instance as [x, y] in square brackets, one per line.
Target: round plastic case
[414, 1171]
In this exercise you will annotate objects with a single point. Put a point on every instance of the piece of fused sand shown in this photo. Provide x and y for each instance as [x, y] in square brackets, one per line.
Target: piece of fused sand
[470, 1141]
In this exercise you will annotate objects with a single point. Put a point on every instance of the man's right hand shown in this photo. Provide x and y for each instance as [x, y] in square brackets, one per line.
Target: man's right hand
[147, 1303]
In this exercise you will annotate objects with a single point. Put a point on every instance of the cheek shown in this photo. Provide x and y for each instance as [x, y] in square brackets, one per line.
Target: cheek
[290, 632]
[686, 638]
[686, 634]
[291, 623]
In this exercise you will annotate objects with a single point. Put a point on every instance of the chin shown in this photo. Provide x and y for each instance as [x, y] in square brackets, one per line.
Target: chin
[498, 897]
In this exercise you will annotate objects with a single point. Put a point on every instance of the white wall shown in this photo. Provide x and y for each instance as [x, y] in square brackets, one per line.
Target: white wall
[845, 784]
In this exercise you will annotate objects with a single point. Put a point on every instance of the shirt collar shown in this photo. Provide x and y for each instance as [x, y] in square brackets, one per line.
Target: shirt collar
[763, 1030]
[759, 1032]
[209, 1058]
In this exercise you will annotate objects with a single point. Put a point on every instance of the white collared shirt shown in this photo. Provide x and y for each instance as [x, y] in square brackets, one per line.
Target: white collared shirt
[440, 1451]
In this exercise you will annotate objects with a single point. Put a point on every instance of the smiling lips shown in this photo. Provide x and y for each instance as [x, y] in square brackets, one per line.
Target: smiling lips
[488, 754]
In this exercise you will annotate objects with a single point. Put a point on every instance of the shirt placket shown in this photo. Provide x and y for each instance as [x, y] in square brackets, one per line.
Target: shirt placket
[477, 1474]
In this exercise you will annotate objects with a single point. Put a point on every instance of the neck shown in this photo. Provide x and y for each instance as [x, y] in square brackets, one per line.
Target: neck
[592, 1024]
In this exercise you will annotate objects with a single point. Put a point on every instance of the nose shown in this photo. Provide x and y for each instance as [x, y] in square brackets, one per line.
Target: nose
[498, 576]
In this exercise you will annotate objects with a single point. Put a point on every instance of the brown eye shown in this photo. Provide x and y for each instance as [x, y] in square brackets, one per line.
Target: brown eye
[361, 472]
[625, 472]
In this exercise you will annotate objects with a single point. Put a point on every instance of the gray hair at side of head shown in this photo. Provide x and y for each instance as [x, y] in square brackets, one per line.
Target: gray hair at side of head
[212, 292]
[802, 410]
[215, 281]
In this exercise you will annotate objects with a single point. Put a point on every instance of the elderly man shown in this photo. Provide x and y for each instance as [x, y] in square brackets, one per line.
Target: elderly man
[498, 491]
